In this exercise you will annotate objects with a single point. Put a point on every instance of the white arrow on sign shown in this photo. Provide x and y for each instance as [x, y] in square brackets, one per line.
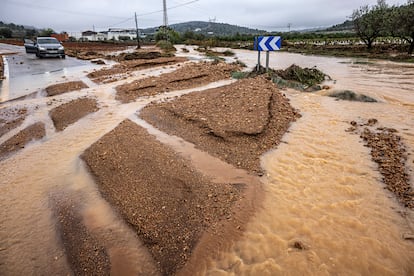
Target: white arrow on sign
[269, 43]
[262, 44]
[273, 43]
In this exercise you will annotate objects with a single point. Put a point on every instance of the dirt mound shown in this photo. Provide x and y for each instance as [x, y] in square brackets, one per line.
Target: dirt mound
[139, 55]
[69, 113]
[188, 76]
[86, 256]
[388, 151]
[61, 88]
[124, 69]
[296, 77]
[306, 76]
[237, 123]
[11, 118]
[34, 132]
[160, 194]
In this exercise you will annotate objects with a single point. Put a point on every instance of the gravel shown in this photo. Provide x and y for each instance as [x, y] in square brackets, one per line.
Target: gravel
[188, 76]
[161, 195]
[69, 113]
[61, 88]
[237, 123]
[34, 132]
[388, 151]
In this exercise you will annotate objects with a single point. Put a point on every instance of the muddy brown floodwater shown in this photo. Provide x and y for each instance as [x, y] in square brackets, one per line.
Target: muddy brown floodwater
[324, 210]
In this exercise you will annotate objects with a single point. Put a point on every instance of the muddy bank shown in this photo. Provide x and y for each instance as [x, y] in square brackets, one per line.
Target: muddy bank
[61, 88]
[85, 254]
[388, 151]
[188, 76]
[11, 118]
[237, 123]
[34, 132]
[161, 195]
[125, 68]
[69, 113]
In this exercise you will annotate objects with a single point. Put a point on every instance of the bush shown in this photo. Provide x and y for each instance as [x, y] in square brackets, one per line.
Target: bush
[166, 46]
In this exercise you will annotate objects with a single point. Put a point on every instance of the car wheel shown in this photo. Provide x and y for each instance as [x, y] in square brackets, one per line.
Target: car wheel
[64, 56]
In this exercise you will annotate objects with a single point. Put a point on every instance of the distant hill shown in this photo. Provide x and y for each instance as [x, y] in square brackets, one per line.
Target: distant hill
[217, 29]
[347, 26]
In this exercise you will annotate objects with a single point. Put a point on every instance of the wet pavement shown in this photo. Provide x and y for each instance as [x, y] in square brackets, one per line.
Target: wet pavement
[28, 74]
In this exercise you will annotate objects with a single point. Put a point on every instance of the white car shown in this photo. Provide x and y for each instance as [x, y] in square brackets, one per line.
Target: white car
[45, 47]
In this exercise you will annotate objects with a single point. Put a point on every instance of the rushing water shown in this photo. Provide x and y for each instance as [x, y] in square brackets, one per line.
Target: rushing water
[322, 191]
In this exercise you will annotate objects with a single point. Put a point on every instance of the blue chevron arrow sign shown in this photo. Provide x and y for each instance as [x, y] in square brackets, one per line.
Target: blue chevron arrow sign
[268, 43]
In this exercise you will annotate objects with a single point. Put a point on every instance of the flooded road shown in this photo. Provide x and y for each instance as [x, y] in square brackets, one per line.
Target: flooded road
[28, 74]
[325, 209]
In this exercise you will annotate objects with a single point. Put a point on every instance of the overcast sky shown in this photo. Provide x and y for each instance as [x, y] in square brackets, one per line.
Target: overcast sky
[81, 15]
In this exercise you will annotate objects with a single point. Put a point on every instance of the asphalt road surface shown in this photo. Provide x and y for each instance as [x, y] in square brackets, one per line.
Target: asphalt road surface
[27, 74]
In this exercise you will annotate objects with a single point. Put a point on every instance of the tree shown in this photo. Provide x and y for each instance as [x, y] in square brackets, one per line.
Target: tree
[369, 22]
[6, 32]
[166, 33]
[402, 24]
[46, 32]
[30, 32]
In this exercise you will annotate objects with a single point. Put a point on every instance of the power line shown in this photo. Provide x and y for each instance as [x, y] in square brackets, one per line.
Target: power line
[170, 8]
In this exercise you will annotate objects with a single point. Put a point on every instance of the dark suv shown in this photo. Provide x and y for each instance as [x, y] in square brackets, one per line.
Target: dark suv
[45, 47]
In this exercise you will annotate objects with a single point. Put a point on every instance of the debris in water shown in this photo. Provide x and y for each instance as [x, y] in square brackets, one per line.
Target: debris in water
[352, 96]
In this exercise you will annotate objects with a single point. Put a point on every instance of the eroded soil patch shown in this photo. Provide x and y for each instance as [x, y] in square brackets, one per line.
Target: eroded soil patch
[125, 68]
[85, 254]
[11, 118]
[69, 113]
[237, 123]
[188, 76]
[61, 88]
[160, 194]
[389, 152]
[20, 140]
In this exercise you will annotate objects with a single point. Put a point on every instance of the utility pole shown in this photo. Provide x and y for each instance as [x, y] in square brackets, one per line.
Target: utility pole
[165, 19]
[136, 27]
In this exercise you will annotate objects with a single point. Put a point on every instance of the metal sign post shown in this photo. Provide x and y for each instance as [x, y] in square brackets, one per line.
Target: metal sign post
[267, 44]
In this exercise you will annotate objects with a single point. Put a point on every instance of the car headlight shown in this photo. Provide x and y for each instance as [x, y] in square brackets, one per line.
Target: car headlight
[61, 48]
[42, 48]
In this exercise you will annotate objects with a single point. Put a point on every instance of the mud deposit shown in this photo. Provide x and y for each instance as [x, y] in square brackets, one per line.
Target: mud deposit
[124, 69]
[34, 132]
[189, 76]
[11, 118]
[61, 88]
[85, 254]
[237, 123]
[69, 113]
[160, 194]
[388, 151]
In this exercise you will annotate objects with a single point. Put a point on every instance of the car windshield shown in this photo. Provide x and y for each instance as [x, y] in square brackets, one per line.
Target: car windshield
[47, 41]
